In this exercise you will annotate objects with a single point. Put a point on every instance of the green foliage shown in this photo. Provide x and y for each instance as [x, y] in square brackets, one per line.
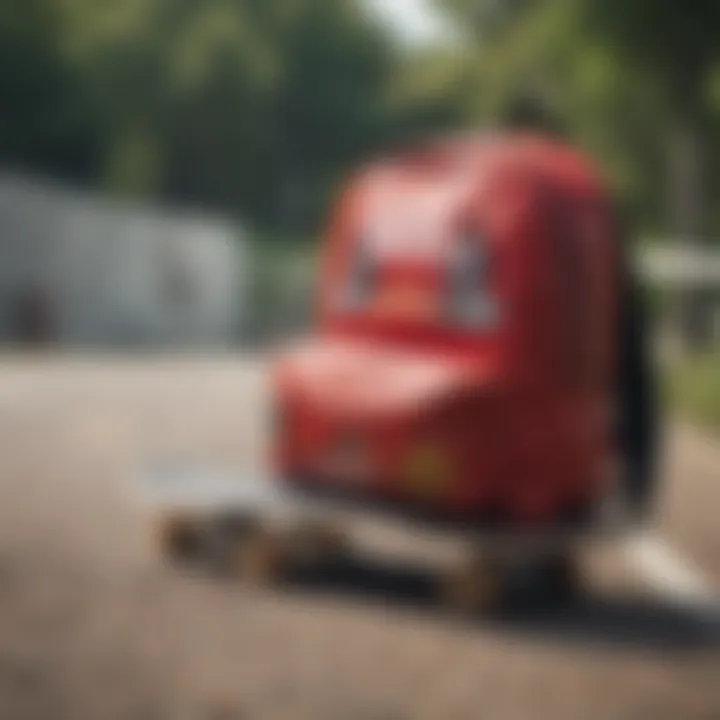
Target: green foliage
[255, 107]
[667, 38]
[693, 386]
[45, 121]
[281, 284]
[260, 107]
[621, 79]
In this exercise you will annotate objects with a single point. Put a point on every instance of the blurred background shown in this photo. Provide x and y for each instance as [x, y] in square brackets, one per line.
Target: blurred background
[241, 118]
[166, 167]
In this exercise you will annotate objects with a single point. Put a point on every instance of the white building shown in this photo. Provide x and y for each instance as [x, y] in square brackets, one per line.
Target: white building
[100, 272]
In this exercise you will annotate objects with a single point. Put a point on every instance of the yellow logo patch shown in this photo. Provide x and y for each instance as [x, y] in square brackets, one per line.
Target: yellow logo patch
[426, 471]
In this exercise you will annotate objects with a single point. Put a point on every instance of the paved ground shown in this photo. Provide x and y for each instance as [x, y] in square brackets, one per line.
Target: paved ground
[93, 626]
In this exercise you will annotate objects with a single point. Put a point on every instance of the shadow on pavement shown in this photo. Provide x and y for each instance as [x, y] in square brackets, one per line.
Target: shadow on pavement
[625, 622]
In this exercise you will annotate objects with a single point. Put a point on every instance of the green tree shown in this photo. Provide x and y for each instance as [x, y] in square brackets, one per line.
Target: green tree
[676, 48]
[249, 106]
[246, 105]
[633, 75]
[46, 123]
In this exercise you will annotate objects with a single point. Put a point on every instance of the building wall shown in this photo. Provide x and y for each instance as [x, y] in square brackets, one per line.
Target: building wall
[116, 274]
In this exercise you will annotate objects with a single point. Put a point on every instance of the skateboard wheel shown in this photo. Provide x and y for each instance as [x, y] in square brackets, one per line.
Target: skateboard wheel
[261, 557]
[561, 577]
[471, 588]
[178, 537]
